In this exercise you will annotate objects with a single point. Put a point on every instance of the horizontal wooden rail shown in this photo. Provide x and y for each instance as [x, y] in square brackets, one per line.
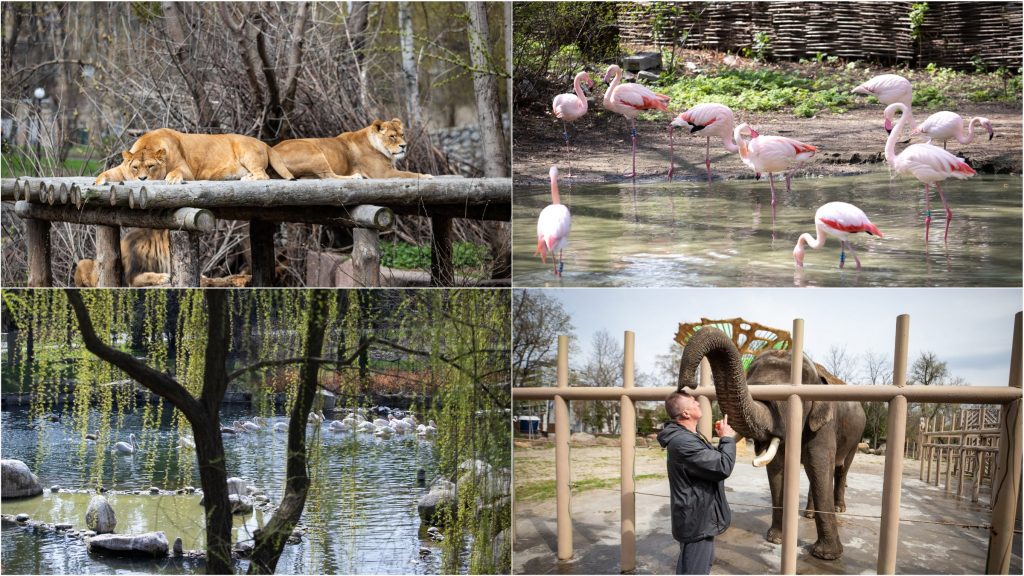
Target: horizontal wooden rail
[953, 394]
[193, 219]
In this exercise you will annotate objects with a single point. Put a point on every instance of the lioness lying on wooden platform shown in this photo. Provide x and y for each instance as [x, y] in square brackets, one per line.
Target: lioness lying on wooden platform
[170, 155]
[368, 153]
[146, 258]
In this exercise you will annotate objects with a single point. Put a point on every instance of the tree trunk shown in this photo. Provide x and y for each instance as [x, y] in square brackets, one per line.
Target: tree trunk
[409, 73]
[358, 20]
[486, 87]
[184, 61]
[270, 539]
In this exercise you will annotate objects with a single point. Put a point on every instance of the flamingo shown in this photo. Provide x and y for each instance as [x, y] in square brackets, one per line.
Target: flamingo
[127, 448]
[837, 219]
[281, 427]
[711, 120]
[553, 226]
[571, 107]
[771, 154]
[889, 89]
[945, 125]
[929, 164]
[255, 425]
[629, 100]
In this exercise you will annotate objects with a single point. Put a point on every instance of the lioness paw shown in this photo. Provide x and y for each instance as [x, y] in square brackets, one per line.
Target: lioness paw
[175, 179]
[426, 176]
[101, 180]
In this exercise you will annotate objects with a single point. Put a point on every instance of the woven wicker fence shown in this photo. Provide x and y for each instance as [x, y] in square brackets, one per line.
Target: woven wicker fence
[954, 35]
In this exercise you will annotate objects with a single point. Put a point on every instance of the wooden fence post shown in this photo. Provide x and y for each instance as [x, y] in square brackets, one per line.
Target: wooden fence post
[563, 496]
[892, 481]
[184, 258]
[791, 475]
[37, 233]
[366, 257]
[442, 271]
[261, 245]
[110, 270]
[627, 448]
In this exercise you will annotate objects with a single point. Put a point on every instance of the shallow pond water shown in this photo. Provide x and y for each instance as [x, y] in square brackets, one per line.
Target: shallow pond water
[371, 527]
[690, 233]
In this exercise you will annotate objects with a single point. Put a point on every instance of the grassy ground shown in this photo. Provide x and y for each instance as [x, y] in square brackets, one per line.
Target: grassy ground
[24, 162]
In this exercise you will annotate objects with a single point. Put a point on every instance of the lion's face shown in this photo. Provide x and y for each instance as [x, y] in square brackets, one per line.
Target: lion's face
[146, 164]
[390, 138]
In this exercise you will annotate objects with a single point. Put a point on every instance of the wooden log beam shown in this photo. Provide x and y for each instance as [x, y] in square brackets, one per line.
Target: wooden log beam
[275, 193]
[366, 216]
[499, 211]
[37, 233]
[192, 219]
[442, 270]
[261, 242]
[366, 257]
[110, 269]
[184, 259]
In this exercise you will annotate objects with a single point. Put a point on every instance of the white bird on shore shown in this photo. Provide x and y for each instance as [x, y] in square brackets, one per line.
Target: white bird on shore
[946, 125]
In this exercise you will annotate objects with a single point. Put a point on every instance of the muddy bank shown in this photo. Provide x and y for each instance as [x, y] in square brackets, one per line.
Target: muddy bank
[849, 143]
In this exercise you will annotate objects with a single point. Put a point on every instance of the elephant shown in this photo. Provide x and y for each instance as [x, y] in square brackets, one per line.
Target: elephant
[831, 429]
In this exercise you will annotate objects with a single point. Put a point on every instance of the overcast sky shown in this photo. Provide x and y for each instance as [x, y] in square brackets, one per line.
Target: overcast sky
[970, 329]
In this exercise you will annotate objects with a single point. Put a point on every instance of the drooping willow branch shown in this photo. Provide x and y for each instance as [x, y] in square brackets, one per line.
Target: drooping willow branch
[300, 360]
[498, 401]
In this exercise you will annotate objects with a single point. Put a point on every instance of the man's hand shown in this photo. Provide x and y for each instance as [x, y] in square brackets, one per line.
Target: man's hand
[723, 428]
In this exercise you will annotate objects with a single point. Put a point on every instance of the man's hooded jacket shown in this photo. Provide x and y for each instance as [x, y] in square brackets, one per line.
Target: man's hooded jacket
[696, 476]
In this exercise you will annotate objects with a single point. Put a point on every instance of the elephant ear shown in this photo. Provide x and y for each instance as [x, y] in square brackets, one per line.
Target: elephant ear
[822, 411]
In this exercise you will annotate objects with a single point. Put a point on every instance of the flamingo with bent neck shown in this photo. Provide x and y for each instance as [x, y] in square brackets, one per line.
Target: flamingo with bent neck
[709, 120]
[837, 219]
[947, 125]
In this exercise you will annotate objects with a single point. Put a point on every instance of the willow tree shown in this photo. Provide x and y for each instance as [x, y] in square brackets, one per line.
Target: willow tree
[192, 345]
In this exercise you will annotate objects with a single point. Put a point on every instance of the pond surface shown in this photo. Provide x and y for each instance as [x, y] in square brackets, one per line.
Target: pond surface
[371, 527]
[690, 233]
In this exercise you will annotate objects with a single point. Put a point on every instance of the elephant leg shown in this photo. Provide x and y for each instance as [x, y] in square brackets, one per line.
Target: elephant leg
[775, 470]
[809, 511]
[820, 467]
[841, 480]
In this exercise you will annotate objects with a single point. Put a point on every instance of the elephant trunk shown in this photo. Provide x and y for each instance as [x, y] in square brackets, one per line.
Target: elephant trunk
[748, 417]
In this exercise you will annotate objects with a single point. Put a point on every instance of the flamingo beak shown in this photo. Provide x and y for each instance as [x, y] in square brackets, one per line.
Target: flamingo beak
[888, 126]
[991, 132]
[753, 133]
[798, 255]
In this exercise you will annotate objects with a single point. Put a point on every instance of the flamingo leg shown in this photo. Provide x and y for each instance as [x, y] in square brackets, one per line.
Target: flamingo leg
[927, 211]
[842, 253]
[568, 155]
[632, 124]
[949, 213]
[707, 158]
[854, 252]
[561, 265]
[671, 152]
[771, 181]
[789, 181]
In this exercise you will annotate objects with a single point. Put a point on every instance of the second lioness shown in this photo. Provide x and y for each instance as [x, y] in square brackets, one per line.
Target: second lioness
[166, 154]
[367, 153]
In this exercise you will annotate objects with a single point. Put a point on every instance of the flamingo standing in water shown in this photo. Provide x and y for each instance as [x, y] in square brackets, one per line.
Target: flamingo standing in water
[929, 164]
[771, 154]
[553, 227]
[837, 219]
[889, 89]
[572, 107]
[629, 100]
[710, 120]
[947, 125]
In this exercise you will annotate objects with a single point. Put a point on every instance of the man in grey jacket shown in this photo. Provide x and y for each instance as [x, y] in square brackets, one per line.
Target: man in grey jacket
[696, 476]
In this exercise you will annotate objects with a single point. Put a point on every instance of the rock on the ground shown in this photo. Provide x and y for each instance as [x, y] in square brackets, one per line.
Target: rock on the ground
[63, 526]
[237, 486]
[243, 548]
[22, 517]
[178, 547]
[99, 516]
[433, 505]
[55, 488]
[17, 481]
[148, 544]
[240, 504]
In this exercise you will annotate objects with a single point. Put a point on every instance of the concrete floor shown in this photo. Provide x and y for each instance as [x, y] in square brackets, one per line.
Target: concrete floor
[938, 534]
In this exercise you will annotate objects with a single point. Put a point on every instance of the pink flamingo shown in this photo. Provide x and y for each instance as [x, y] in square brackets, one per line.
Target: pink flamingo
[710, 120]
[771, 154]
[889, 89]
[553, 227]
[837, 219]
[946, 125]
[571, 107]
[629, 100]
[929, 164]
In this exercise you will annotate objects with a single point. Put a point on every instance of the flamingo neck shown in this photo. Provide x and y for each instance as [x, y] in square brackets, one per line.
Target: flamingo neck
[730, 143]
[890, 143]
[611, 87]
[970, 131]
[817, 241]
[554, 191]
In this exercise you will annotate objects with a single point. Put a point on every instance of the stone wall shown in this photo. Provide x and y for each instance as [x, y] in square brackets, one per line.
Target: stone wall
[462, 147]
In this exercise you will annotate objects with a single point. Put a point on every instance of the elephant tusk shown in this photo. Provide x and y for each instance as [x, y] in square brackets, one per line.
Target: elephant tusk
[768, 455]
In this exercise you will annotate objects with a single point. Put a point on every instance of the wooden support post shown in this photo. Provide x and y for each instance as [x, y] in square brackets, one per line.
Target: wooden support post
[791, 475]
[922, 439]
[261, 245]
[562, 470]
[705, 425]
[195, 219]
[184, 259]
[37, 234]
[976, 488]
[366, 257]
[627, 418]
[949, 467]
[892, 483]
[1006, 474]
[963, 472]
[110, 270]
[442, 271]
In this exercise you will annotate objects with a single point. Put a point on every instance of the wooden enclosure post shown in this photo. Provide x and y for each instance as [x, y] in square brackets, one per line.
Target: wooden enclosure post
[949, 467]
[892, 482]
[791, 475]
[963, 470]
[184, 258]
[261, 245]
[562, 470]
[1007, 472]
[978, 462]
[110, 270]
[705, 425]
[627, 418]
[442, 270]
[366, 257]
[37, 234]
[922, 439]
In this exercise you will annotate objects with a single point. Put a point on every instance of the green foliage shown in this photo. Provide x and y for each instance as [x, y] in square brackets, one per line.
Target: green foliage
[758, 91]
[918, 11]
[762, 45]
[410, 257]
